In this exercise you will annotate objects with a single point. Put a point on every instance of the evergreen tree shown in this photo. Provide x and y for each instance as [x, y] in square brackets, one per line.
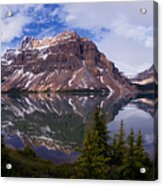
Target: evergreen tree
[94, 159]
[100, 126]
[142, 159]
[127, 169]
[131, 141]
[121, 149]
[135, 159]
[118, 151]
[139, 140]
[121, 135]
[114, 150]
[113, 158]
[139, 150]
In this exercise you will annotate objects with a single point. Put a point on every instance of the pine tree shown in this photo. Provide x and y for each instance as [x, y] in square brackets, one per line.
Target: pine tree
[118, 151]
[139, 140]
[121, 135]
[113, 158]
[121, 149]
[127, 169]
[103, 132]
[114, 150]
[121, 159]
[94, 160]
[139, 150]
[142, 159]
[131, 141]
[135, 159]
[118, 147]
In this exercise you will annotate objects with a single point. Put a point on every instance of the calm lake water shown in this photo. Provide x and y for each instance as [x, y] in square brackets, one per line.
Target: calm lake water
[53, 125]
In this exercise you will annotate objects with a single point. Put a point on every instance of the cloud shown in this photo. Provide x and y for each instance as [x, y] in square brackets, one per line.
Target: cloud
[130, 57]
[118, 29]
[55, 12]
[104, 13]
[129, 39]
[70, 18]
[13, 27]
[137, 33]
[48, 32]
[96, 16]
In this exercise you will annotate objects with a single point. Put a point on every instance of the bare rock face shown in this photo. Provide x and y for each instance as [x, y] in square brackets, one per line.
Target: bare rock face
[26, 42]
[147, 81]
[147, 76]
[66, 62]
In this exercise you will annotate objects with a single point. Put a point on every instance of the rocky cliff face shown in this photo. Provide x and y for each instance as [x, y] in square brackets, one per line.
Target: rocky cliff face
[145, 77]
[66, 62]
[147, 81]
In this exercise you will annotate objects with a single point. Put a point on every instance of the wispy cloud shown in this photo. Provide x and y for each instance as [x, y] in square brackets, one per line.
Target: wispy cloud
[13, 27]
[22, 15]
[118, 29]
[55, 12]
[49, 32]
[137, 33]
[128, 36]
[96, 16]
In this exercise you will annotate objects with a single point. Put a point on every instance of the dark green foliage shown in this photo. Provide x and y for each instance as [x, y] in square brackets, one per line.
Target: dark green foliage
[134, 159]
[100, 127]
[100, 157]
[26, 164]
[119, 146]
[94, 159]
[118, 151]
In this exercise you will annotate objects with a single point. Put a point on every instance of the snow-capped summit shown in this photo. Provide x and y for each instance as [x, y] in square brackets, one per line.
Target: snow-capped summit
[66, 62]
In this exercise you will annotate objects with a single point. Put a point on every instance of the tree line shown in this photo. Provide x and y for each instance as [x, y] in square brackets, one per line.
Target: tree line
[101, 157]
[118, 157]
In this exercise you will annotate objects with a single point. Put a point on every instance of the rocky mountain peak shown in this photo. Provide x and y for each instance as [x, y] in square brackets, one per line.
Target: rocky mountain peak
[67, 35]
[66, 62]
[32, 43]
[146, 77]
[25, 43]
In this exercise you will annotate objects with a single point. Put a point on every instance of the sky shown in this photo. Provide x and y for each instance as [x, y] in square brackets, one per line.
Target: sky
[119, 30]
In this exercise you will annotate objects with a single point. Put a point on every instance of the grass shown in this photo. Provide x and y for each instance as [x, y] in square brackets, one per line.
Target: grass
[26, 164]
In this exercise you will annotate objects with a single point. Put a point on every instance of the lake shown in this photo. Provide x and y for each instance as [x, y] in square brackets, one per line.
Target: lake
[53, 125]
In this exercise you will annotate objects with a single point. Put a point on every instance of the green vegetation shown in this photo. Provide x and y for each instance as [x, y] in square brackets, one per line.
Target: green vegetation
[26, 164]
[94, 159]
[119, 158]
[101, 157]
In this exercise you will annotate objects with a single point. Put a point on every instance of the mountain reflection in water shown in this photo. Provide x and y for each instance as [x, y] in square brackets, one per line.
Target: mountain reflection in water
[54, 125]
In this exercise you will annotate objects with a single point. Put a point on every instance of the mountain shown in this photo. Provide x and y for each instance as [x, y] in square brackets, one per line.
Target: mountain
[145, 77]
[147, 80]
[66, 62]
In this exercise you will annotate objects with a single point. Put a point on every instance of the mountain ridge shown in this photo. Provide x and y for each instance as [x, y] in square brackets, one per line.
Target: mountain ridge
[66, 62]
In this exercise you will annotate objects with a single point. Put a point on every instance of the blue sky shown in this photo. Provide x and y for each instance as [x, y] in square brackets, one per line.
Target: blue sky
[119, 30]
